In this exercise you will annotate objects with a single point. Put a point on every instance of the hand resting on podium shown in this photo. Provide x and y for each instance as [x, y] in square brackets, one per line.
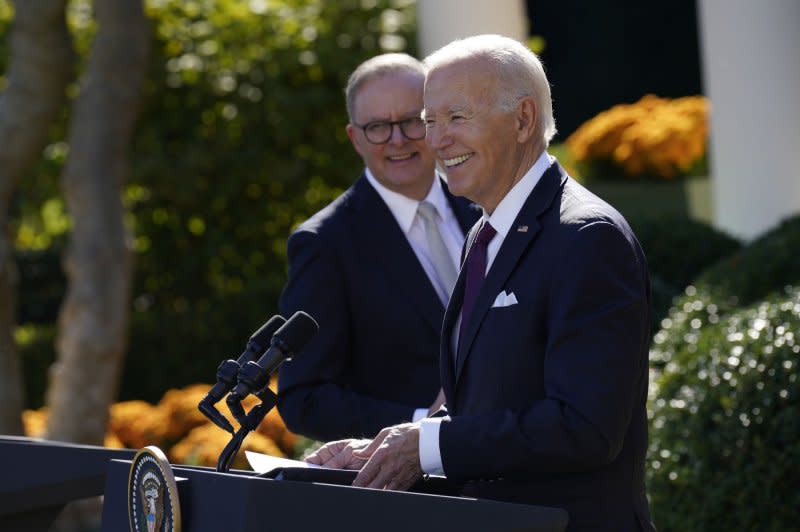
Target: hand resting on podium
[340, 454]
[390, 461]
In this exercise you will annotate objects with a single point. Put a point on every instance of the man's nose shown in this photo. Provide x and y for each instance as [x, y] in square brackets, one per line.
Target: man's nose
[397, 137]
[436, 137]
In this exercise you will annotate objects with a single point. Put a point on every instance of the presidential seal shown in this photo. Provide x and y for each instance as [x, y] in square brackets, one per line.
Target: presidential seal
[152, 493]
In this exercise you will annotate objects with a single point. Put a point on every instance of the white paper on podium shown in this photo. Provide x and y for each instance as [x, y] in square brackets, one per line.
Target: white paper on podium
[264, 463]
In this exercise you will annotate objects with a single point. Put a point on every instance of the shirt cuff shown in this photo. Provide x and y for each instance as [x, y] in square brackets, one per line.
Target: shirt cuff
[430, 458]
[419, 413]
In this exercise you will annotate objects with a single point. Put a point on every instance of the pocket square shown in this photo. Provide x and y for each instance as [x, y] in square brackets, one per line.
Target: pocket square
[505, 300]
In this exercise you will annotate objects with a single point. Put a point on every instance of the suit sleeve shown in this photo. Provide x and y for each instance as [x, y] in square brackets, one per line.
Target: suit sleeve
[314, 397]
[597, 333]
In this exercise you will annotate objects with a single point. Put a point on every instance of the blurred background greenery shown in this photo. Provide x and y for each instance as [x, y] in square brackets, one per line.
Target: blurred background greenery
[241, 137]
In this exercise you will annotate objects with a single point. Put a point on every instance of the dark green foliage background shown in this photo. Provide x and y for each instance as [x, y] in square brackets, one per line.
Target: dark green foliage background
[764, 266]
[678, 249]
[725, 437]
[725, 398]
[241, 137]
[753, 273]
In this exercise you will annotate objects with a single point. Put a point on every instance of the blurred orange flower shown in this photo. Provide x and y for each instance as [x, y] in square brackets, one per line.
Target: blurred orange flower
[204, 444]
[176, 426]
[654, 136]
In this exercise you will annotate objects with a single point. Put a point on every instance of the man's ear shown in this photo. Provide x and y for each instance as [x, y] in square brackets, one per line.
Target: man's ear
[351, 134]
[526, 119]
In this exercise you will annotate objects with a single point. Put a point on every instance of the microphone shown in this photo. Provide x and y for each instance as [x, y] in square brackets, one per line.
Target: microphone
[229, 369]
[289, 340]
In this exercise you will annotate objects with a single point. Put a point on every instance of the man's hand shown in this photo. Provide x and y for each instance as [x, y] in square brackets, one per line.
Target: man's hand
[393, 459]
[339, 454]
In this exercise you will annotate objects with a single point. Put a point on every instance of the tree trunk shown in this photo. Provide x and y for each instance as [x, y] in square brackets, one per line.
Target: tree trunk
[40, 67]
[93, 320]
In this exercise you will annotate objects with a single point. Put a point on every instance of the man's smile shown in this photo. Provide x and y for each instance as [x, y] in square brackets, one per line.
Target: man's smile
[455, 161]
[403, 157]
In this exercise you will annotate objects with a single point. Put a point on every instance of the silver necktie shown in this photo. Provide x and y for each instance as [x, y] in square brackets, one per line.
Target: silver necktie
[442, 263]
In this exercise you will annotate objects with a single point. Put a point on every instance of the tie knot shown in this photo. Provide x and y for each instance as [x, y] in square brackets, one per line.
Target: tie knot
[486, 234]
[427, 211]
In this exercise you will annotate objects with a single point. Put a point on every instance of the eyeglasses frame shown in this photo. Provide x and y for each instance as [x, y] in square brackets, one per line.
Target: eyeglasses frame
[391, 124]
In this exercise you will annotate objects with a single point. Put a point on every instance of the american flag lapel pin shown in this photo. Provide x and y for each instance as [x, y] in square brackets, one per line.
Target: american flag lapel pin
[522, 229]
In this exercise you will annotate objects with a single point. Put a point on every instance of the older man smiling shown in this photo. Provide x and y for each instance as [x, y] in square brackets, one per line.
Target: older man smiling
[545, 340]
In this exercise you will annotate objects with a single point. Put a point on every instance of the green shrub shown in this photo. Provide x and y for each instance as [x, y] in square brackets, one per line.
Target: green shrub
[661, 296]
[752, 273]
[678, 249]
[725, 419]
[766, 265]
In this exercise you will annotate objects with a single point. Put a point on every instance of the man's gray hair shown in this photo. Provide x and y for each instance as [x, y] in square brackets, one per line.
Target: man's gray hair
[518, 71]
[376, 67]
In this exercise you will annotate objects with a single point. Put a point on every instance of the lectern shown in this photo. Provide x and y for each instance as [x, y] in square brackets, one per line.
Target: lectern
[38, 478]
[239, 501]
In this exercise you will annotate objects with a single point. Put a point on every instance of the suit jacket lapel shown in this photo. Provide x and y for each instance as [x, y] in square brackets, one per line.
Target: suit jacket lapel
[513, 247]
[386, 241]
[467, 214]
[447, 358]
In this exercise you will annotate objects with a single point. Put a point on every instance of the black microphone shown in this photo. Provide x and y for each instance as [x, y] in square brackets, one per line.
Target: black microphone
[289, 340]
[229, 369]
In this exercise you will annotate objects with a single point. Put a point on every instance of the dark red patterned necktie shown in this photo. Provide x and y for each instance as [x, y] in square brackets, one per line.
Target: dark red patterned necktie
[476, 273]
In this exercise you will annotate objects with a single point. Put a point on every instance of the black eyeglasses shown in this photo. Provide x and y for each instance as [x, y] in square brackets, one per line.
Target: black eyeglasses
[380, 132]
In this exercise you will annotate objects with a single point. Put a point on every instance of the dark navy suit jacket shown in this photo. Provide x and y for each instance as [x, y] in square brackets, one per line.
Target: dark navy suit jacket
[547, 396]
[376, 356]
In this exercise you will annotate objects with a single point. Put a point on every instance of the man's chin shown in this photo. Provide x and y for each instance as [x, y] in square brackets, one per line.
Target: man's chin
[456, 186]
[406, 181]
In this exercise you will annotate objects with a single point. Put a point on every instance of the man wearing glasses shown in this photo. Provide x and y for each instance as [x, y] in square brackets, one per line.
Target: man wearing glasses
[375, 268]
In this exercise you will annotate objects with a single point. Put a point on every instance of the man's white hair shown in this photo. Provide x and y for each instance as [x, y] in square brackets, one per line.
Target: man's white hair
[518, 72]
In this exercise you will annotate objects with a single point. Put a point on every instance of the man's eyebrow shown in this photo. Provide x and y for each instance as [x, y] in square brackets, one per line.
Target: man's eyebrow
[450, 110]
[413, 114]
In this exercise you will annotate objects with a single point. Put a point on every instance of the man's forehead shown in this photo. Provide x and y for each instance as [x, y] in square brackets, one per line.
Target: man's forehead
[448, 95]
[458, 75]
[389, 95]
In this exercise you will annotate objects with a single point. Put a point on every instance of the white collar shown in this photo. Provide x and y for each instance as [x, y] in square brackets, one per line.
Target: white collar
[404, 208]
[507, 210]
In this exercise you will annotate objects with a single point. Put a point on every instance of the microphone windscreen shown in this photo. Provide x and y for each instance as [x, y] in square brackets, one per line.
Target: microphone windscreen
[264, 334]
[296, 332]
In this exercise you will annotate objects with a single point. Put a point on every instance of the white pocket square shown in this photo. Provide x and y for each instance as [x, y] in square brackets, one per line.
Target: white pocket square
[505, 300]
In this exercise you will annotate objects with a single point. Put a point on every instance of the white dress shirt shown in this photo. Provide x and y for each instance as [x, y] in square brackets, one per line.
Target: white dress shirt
[502, 220]
[404, 210]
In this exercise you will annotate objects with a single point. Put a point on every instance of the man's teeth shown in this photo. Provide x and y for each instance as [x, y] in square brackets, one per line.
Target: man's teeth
[457, 160]
[400, 157]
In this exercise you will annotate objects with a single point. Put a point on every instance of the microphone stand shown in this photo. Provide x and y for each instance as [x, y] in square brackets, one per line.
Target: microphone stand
[290, 338]
[249, 423]
[226, 379]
